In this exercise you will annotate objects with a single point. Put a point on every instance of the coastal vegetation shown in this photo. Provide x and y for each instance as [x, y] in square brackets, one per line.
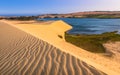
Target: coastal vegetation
[88, 14]
[22, 18]
[93, 43]
[99, 16]
[103, 16]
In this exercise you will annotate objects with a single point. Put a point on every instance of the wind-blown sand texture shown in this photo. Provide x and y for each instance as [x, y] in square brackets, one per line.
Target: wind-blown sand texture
[114, 49]
[24, 54]
[49, 31]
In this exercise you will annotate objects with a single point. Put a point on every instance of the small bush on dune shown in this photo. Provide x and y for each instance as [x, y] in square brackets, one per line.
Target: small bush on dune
[60, 36]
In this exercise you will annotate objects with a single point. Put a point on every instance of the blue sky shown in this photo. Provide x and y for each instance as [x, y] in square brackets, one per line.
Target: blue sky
[56, 6]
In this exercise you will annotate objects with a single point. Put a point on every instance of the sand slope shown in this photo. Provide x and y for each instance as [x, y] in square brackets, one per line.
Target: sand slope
[114, 49]
[23, 54]
[49, 31]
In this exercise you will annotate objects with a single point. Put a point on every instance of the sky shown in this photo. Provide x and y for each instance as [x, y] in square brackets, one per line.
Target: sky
[56, 6]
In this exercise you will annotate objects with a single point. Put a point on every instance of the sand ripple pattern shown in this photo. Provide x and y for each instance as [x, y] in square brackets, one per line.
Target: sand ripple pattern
[23, 54]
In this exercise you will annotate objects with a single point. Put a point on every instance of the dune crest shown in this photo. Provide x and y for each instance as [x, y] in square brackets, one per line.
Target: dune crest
[49, 31]
[60, 28]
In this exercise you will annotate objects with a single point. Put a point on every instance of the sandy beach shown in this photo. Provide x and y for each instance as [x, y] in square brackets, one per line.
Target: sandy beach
[35, 49]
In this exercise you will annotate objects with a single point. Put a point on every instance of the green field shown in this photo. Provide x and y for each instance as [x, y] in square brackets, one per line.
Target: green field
[93, 43]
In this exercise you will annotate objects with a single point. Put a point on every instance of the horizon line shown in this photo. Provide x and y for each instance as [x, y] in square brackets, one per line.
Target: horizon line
[35, 14]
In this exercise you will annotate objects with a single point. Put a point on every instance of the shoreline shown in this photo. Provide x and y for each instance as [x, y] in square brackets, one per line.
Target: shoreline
[69, 48]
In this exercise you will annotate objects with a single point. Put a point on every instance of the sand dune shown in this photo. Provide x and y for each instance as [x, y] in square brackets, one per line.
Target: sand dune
[49, 31]
[24, 54]
[114, 50]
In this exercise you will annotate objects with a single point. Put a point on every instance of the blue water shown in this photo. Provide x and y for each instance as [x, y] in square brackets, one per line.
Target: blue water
[91, 25]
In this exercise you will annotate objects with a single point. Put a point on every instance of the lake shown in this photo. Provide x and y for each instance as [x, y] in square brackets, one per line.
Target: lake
[90, 25]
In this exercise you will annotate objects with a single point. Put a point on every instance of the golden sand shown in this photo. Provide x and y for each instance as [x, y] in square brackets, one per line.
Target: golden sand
[48, 32]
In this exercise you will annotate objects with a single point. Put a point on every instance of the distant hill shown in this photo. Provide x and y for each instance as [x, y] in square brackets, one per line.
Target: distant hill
[97, 13]
[90, 14]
